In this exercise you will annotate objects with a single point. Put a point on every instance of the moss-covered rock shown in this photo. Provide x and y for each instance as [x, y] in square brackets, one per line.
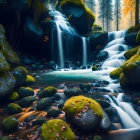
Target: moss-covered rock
[94, 68]
[123, 81]
[27, 101]
[97, 27]
[20, 74]
[53, 112]
[7, 83]
[116, 73]
[78, 103]
[29, 80]
[73, 92]
[14, 108]
[134, 29]
[85, 86]
[4, 65]
[13, 96]
[138, 38]
[56, 129]
[25, 91]
[9, 124]
[48, 92]
[44, 103]
[131, 52]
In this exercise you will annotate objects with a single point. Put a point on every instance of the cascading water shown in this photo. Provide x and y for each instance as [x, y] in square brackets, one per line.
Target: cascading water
[116, 49]
[84, 51]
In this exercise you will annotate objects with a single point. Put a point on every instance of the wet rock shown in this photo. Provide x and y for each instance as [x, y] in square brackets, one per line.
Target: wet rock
[7, 83]
[102, 55]
[14, 108]
[27, 61]
[25, 91]
[39, 121]
[53, 112]
[130, 39]
[20, 74]
[27, 101]
[85, 86]
[73, 92]
[9, 124]
[103, 103]
[44, 103]
[48, 92]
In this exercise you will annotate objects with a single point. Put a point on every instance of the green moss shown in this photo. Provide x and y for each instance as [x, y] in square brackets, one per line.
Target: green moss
[131, 52]
[97, 27]
[9, 124]
[14, 108]
[44, 103]
[27, 101]
[94, 68]
[138, 37]
[48, 92]
[13, 96]
[4, 65]
[2, 29]
[76, 104]
[20, 74]
[134, 28]
[29, 80]
[123, 81]
[4, 138]
[116, 73]
[56, 129]
[25, 91]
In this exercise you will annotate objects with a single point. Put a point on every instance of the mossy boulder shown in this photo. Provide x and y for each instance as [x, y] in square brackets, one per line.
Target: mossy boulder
[73, 92]
[9, 53]
[7, 83]
[14, 108]
[48, 92]
[130, 39]
[123, 81]
[9, 124]
[56, 129]
[13, 96]
[25, 91]
[97, 27]
[20, 74]
[85, 86]
[131, 52]
[27, 101]
[138, 38]
[116, 73]
[4, 65]
[78, 15]
[53, 112]
[77, 104]
[84, 23]
[29, 80]
[44, 103]
[134, 29]
[94, 68]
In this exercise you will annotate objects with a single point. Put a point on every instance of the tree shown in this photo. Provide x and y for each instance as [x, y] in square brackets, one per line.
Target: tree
[132, 6]
[117, 13]
[91, 4]
[106, 12]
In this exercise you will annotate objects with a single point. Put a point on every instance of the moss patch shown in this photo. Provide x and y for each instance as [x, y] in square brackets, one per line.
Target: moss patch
[56, 129]
[14, 108]
[76, 104]
[13, 96]
[134, 28]
[29, 80]
[25, 91]
[116, 73]
[138, 37]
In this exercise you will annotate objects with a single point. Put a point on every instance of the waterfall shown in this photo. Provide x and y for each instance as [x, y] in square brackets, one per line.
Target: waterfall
[84, 51]
[116, 49]
[60, 45]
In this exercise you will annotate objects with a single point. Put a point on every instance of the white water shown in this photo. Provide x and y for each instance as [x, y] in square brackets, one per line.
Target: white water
[84, 51]
[116, 49]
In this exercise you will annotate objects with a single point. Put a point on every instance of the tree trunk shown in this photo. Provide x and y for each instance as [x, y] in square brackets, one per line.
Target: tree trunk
[137, 12]
[117, 15]
[107, 17]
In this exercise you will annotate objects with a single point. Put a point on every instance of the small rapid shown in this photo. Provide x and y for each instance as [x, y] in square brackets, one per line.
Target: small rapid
[116, 48]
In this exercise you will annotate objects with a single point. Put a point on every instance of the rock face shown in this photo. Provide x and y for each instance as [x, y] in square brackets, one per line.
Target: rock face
[56, 129]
